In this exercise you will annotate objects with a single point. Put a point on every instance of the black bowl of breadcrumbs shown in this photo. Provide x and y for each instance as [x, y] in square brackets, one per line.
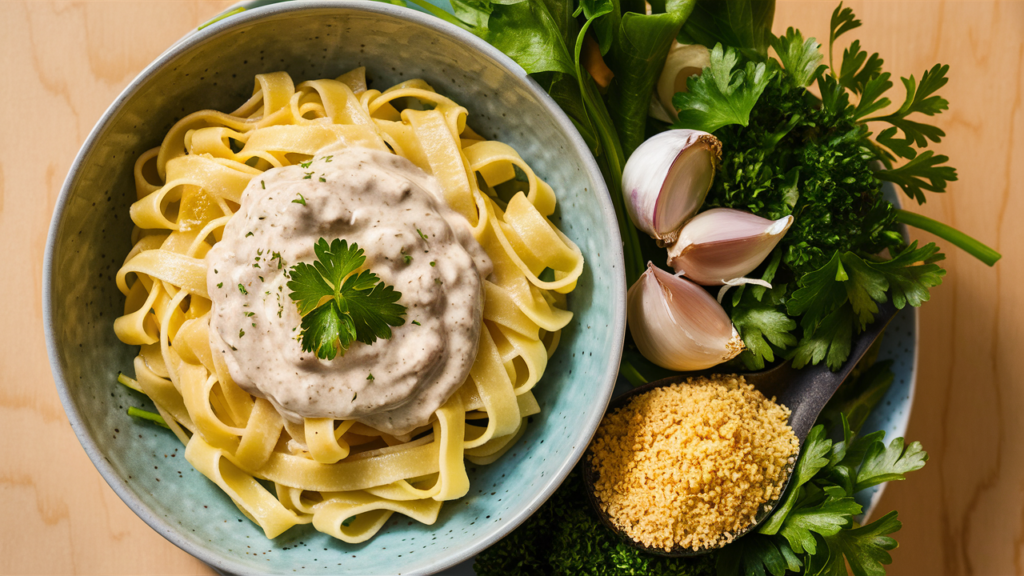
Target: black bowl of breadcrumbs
[682, 469]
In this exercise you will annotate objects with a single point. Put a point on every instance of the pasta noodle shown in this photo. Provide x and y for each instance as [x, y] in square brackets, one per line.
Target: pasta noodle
[344, 477]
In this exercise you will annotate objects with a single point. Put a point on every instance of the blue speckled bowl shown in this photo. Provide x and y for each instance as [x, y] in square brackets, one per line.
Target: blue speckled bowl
[89, 237]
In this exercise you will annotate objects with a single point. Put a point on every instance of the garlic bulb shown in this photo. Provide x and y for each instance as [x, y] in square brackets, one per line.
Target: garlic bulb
[683, 61]
[723, 244]
[666, 179]
[677, 324]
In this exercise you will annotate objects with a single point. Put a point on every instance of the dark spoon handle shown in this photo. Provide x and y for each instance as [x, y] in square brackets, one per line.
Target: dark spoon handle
[813, 386]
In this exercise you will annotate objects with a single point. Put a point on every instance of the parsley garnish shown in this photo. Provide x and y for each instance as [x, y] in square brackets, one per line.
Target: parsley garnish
[241, 333]
[243, 290]
[359, 306]
[306, 164]
[263, 184]
[220, 285]
[370, 377]
[307, 176]
[723, 94]
[422, 235]
[249, 234]
[432, 264]
[815, 518]
[300, 200]
[416, 323]
[328, 158]
[322, 179]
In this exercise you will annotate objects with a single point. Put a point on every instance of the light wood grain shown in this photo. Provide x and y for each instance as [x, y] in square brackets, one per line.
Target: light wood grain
[62, 63]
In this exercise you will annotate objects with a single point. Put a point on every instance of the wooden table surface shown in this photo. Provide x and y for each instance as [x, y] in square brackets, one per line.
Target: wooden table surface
[63, 63]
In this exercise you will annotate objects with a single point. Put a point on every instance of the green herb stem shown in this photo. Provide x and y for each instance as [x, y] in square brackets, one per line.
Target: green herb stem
[951, 235]
[238, 10]
[612, 160]
[630, 373]
[151, 416]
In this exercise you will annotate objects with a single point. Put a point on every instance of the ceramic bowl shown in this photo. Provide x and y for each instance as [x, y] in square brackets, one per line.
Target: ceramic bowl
[89, 238]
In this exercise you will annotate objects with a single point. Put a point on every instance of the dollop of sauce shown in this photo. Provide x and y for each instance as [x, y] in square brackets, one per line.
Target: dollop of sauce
[412, 241]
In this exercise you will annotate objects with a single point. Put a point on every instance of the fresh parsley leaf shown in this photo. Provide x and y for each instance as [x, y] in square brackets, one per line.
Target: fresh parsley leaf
[829, 341]
[802, 59]
[357, 307]
[842, 22]
[300, 200]
[723, 94]
[865, 548]
[820, 292]
[911, 272]
[884, 464]
[924, 172]
[813, 457]
[754, 555]
[826, 519]
[762, 322]
[857, 68]
[243, 290]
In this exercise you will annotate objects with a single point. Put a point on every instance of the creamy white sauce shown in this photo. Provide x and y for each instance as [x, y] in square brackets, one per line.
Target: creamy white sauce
[378, 201]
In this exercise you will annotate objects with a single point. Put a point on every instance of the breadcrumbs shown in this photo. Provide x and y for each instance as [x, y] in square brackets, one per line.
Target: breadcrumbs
[691, 464]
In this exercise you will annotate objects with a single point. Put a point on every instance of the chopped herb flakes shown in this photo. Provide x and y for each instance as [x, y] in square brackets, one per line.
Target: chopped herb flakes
[416, 323]
[301, 199]
[422, 235]
[243, 290]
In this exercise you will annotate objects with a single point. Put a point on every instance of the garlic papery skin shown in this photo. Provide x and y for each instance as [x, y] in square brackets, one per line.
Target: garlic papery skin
[677, 325]
[724, 244]
[683, 61]
[666, 179]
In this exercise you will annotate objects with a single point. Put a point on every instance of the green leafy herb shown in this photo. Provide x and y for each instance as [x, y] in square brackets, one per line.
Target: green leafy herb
[358, 306]
[815, 518]
[743, 24]
[370, 377]
[243, 290]
[322, 179]
[724, 94]
[263, 184]
[416, 323]
[220, 284]
[421, 234]
[306, 164]
[300, 200]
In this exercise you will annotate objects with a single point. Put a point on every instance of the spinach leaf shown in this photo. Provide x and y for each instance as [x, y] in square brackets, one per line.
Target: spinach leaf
[637, 58]
[742, 24]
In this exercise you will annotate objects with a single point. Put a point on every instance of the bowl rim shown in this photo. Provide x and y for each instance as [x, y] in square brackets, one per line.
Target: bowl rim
[229, 25]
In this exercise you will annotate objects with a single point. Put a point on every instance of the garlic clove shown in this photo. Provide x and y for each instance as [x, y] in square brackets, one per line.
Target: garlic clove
[677, 325]
[683, 61]
[723, 244]
[666, 179]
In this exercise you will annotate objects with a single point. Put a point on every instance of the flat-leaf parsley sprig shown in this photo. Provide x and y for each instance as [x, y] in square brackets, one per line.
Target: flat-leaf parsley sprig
[358, 306]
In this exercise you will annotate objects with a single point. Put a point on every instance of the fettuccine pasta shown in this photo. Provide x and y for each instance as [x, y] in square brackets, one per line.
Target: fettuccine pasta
[342, 476]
